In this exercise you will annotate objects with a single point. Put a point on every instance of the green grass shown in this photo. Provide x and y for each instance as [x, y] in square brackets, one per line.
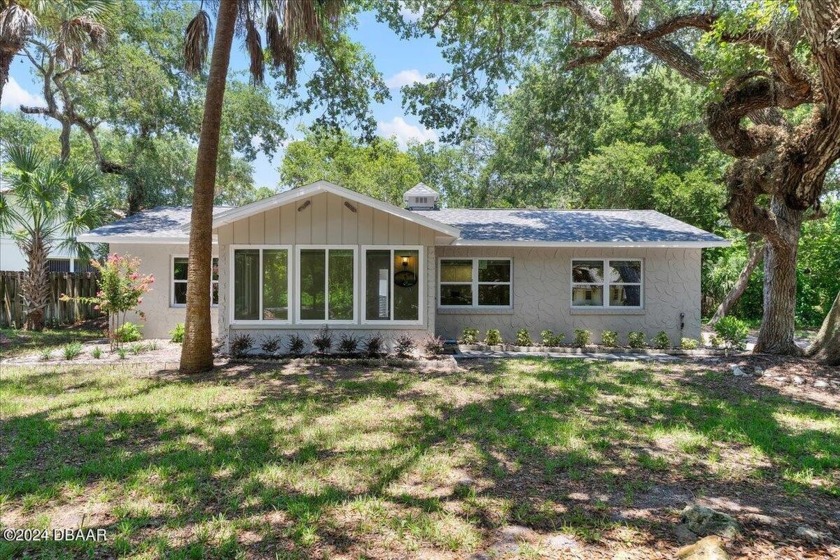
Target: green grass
[324, 460]
[16, 342]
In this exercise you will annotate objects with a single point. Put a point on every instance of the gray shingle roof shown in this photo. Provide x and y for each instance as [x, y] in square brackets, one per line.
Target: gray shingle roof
[162, 222]
[570, 226]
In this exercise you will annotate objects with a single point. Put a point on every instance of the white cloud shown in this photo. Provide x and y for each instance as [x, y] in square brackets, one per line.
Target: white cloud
[406, 77]
[410, 15]
[403, 131]
[14, 96]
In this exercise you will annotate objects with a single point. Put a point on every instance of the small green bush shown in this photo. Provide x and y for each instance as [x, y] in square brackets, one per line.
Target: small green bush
[609, 339]
[547, 337]
[469, 336]
[404, 345]
[661, 341]
[137, 349]
[715, 341]
[689, 344]
[523, 338]
[636, 339]
[46, 354]
[176, 335]
[582, 337]
[493, 338]
[242, 342]
[121, 353]
[733, 331]
[433, 345]
[127, 332]
[96, 353]
[72, 350]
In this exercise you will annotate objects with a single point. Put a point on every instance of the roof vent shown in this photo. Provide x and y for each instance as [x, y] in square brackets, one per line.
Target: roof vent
[421, 197]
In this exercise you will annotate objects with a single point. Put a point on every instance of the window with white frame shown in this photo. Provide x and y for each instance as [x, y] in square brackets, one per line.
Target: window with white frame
[606, 283]
[261, 284]
[179, 281]
[475, 282]
[326, 279]
[392, 284]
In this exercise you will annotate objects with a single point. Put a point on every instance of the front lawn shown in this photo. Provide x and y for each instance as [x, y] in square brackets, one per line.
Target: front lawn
[17, 342]
[525, 458]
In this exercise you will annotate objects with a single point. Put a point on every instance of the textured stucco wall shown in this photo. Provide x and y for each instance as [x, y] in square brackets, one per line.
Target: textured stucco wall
[542, 294]
[157, 259]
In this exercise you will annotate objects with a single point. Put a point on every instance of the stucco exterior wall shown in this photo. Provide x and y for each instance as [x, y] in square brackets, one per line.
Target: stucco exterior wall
[325, 219]
[161, 316]
[542, 295]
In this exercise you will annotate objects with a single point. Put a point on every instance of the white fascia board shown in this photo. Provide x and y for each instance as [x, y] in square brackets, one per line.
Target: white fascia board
[293, 195]
[592, 244]
[135, 239]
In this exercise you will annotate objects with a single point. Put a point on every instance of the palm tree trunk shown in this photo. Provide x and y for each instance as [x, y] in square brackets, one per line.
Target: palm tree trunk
[756, 255]
[826, 347]
[35, 287]
[6, 57]
[197, 352]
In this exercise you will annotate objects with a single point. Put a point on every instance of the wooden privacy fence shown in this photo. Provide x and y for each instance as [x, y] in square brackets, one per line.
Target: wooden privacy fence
[79, 284]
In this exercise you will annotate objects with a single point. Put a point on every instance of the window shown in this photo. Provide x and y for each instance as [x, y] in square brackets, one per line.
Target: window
[261, 284]
[392, 283]
[326, 284]
[179, 281]
[607, 283]
[58, 265]
[475, 282]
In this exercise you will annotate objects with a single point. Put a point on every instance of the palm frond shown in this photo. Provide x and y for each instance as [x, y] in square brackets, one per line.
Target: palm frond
[76, 34]
[17, 23]
[282, 50]
[196, 41]
[253, 43]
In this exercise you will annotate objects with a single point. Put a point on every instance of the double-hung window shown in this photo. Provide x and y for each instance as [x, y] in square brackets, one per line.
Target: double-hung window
[326, 278]
[180, 267]
[393, 280]
[607, 283]
[475, 282]
[261, 284]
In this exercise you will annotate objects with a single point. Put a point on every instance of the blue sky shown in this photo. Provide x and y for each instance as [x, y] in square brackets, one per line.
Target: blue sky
[400, 62]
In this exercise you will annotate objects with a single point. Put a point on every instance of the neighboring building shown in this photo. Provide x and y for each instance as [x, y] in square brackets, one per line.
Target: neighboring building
[323, 255]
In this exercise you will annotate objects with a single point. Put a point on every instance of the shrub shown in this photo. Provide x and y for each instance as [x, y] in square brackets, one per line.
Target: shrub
[434, 345]
[582, 337]
[137, 349]
[46, 354]
[271, 344]
[404, 345]
[96, 353]
[715, 341]
[661, 341]
[609, 339]
[72, 350]
[348, 343]
[470, 336]
[323, 340]
[374, 345]
[733, 332]
[242, 342]
[493, 338]
[152, 345]
[688, 344]
[636, 339]
[121, 353]
[547, 337]
[523, 338]
[296, 345]
[177, 334]
[127, 332]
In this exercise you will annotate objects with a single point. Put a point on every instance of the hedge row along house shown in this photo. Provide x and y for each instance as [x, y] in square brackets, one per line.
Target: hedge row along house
[324, 255]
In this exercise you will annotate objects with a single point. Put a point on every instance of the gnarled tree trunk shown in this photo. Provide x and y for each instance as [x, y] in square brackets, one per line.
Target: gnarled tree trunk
[197, 351]
[754, 258]
[826, 346]
[6, 57]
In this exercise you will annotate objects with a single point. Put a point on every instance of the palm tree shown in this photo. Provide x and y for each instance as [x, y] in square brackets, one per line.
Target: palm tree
[73, 25]
[288, 23]
[47, 205]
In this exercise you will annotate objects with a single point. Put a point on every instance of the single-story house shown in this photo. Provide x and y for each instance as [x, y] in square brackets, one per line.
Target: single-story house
[324, 255]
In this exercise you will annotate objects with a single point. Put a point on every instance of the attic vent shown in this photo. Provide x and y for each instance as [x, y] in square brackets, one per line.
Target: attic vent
[421, 197]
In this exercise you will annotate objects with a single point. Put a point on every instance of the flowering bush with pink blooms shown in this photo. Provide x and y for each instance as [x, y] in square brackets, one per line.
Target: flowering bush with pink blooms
[121, 289]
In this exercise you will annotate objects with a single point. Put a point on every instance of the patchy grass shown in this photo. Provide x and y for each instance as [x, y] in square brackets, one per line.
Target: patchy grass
[302, 461]
[16, 342]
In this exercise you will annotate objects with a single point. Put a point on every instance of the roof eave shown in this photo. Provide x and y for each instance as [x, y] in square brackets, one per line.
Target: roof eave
[593, 244]
[135, 239]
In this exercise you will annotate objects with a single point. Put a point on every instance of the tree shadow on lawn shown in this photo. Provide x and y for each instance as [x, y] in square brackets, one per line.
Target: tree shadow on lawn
[562, 446]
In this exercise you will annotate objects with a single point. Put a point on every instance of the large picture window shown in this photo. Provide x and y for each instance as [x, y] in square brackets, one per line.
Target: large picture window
[475, 282]
[326, 280]
[392, 284]
[607, 283]
[261, 284]
[179, 281]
